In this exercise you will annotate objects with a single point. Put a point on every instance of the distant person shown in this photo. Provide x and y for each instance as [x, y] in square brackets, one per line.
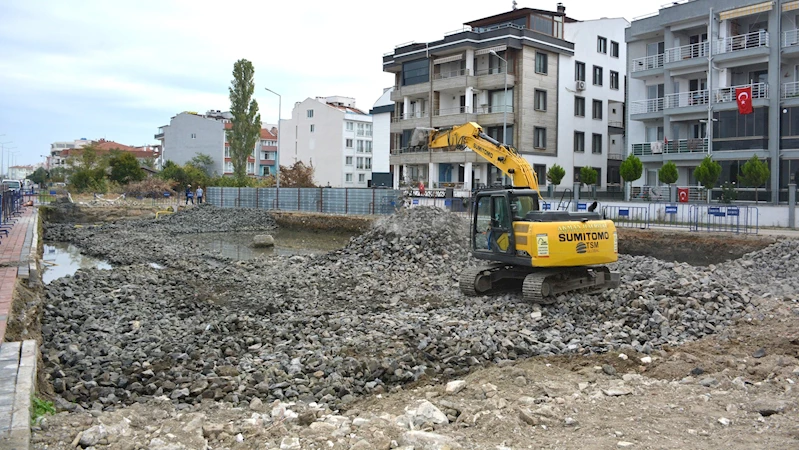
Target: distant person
[189, 195]
[421, 187]
[199, 195]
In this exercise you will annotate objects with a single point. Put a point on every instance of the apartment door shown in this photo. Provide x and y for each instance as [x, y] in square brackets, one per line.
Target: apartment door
[654, 49]
[698, 91]
[699, 131]
[655, 94]
[698, 50]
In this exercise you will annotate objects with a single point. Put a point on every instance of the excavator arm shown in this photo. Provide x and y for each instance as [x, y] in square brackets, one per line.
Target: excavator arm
[506, 158]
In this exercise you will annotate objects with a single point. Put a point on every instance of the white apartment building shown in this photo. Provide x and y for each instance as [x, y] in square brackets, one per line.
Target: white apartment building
[591, 90]
[56, 158]
[381, 113]
[333, 136]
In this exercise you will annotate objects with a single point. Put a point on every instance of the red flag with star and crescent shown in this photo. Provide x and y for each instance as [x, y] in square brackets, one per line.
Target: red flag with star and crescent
[744, 96]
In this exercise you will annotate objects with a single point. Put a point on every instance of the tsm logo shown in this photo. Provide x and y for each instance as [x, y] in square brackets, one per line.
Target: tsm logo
[581, 248]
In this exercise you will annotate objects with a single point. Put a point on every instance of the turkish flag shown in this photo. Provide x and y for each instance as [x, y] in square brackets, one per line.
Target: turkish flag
[744, 96]
[682, 195]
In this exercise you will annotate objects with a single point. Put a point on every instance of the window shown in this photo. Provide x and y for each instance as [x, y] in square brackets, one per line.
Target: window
[227, 152]
[368, 145]
[368, 162]
[359, 163]
[415, 72]
[310, 113]
[540, 100]
[496, 133]
[360, 146]
[579, 106]
[596, 144]
[368, 129]
[361, 178]
[614, 49]
[579, 71]
[361, 131]
[614, 80]
[596, 109]
[348, 160]
[348, 178]
[349, 126]
[250, 167]
[579, 142]
[348, 143]
[194, 135]
[601, 45]
[266, 171]
[540, 173]
[541, 63]
[313, 128]
[499, 102]
[228, 166]
[539, 137]
[597, 76]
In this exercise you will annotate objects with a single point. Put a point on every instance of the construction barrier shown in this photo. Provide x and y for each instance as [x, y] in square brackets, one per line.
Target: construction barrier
[627, 216]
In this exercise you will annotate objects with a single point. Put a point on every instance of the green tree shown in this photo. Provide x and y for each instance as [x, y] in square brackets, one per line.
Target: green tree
[588, 175]
[203, 162]
[707, 173]
[58, 174]
[668, 173]
[631, 168]
[755, 173]
[555, 174]
[87, 170]
[246, 120]
[39, 176]
[125, 168]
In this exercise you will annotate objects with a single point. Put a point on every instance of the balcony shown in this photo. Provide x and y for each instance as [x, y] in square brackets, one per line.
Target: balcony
[754, 44]
[790, 38]
[672, 147]
[724, 95]
[450, 79]
[413, 90]
[493, 78]
[615, 157]
[688, 100]
[687, 54]
[651, 106]
[648, 63]
[409, 121]
[790, 90]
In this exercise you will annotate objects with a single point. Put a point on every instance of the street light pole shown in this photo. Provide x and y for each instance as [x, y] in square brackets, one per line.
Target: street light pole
[279, 136]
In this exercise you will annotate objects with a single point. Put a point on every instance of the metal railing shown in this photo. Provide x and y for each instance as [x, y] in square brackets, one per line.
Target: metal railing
[410, 116]
[494, 109]
[679, 146]
[615, 156]
[759, 90]
[616, 123]
[627, 216]
[491, 71]
[754, 39]
[698, 50]
[647, 63]
[323, 200]
[691, 98]
[451, 74]
[790, 37]
[790, 90]
[449, 111]
[646, 106]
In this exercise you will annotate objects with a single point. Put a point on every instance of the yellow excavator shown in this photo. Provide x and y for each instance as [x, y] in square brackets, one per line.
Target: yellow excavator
[547, 252]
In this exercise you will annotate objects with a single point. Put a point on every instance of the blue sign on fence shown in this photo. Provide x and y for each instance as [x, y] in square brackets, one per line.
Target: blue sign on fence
[582, 206]
[448, 202]
[546, 206]
[624, 212]
[733, 211]
[671, 210]
[415, 201]
[713, 210]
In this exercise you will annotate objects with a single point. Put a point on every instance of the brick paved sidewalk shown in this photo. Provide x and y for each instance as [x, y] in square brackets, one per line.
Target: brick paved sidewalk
[15, 255]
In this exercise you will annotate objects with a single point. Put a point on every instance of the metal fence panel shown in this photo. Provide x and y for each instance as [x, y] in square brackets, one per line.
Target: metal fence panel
[670, 215]
[727, 219]
[326, 200]
[627, 216]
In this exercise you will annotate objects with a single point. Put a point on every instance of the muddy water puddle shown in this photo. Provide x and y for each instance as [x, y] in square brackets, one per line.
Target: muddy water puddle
[60, 259]
[287, 242]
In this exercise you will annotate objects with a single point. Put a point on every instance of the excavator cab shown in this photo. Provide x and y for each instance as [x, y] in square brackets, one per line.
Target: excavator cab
[496, 211]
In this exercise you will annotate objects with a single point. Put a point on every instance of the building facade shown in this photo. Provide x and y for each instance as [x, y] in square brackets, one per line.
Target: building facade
[57, 157]
[190, 134]
[516, 75]
[20, 172]
[62, 150]
[687, 62]
[333, 136]
[382, 112]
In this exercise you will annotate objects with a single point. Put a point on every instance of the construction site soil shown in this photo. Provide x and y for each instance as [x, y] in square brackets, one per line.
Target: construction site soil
[373, 346]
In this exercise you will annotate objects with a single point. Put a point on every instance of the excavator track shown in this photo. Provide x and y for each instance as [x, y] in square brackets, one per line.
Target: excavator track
[476, 281]
[537, 287]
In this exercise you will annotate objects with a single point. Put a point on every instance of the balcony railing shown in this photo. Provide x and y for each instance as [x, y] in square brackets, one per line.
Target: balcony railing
[616, 123]
[494, 109]
[450, 74]
[648, 62]
[754, 39]
[409, 116]
[615, 156]
[698, 50]
[646, 106]
[679, 146]
[490, 71]
[682, 99]
[790, 37]
[790, 90]
[759, 90]
[449, 111]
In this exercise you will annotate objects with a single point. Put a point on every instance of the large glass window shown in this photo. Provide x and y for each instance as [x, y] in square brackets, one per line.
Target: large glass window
[541, 24]
[415, 72]
[541, 65]
[579, 71]
[497, 103]
[496, 133]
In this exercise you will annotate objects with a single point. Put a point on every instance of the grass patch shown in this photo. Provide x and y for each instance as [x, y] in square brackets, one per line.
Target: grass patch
[41, 408]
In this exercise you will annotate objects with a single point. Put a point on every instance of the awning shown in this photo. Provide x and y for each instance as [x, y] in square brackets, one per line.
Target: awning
[485, 51]
[790, 6]
[746, 11]
[447, 59]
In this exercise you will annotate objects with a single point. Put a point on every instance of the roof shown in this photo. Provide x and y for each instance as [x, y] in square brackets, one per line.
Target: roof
[347, 109]
[267, 134]
[510, 15]
[102, 144]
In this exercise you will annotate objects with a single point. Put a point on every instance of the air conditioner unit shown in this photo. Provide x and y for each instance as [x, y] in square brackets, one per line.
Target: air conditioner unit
[581, 85]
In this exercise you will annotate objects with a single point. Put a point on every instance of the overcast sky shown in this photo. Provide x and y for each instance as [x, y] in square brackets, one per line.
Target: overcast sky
[119, 70]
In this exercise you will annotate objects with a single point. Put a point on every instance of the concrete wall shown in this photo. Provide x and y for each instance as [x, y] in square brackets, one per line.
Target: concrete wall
[525, 101]
[189, 134]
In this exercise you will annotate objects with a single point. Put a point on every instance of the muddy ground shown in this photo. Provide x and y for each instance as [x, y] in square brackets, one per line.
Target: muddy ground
[734, 389]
